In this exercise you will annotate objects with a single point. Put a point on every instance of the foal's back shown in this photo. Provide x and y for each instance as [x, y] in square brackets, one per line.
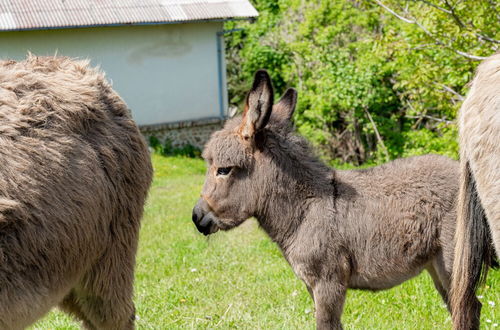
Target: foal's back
[400, 216]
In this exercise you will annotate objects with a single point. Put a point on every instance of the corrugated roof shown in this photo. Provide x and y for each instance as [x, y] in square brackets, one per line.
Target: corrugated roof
[46, 14]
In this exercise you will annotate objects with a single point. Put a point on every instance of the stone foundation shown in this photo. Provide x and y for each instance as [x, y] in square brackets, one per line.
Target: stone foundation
[195, 133]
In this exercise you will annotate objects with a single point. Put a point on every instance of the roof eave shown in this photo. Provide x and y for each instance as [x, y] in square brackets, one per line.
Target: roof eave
[131, 24]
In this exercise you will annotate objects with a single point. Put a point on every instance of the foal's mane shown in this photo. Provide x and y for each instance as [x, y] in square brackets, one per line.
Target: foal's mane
[295, 156]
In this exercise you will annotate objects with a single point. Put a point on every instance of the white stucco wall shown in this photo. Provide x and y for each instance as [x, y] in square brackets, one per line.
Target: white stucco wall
[165, 73]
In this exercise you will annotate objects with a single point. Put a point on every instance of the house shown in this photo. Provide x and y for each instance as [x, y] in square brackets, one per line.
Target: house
[164, 57]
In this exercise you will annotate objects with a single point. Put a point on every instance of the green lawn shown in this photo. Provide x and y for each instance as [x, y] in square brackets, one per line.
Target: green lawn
[239, 279]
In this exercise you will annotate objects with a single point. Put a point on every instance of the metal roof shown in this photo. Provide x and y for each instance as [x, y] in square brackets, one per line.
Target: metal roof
[49, 14]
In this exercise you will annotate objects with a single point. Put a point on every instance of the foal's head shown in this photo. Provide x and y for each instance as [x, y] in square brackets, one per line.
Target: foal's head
[244, 159]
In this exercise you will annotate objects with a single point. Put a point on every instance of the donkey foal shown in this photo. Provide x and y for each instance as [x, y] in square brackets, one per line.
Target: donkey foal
[365, 229]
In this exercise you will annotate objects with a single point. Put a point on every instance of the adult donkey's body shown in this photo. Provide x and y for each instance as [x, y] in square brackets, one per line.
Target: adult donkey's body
[478, 224]
[368, 229]
[74, 174]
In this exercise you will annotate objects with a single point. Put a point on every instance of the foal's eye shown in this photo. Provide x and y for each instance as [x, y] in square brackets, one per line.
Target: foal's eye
[224, 170]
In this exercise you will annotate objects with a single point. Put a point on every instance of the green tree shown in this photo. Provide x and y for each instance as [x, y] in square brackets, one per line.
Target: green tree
[377, 79]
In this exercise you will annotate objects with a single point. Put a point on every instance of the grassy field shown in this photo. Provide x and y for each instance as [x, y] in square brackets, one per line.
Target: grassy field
[239, 279]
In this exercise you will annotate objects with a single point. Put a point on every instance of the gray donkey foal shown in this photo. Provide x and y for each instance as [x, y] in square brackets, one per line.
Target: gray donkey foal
[364, 229]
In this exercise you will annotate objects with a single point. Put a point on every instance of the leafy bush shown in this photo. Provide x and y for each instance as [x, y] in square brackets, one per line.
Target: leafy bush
[167, 149]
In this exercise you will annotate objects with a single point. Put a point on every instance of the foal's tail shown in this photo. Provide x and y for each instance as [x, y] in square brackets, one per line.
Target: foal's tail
[474, 254]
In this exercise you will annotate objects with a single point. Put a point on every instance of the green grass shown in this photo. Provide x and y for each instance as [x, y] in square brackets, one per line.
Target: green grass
[239, 279]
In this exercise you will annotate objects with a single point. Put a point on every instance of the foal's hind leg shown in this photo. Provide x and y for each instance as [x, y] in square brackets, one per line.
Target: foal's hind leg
[441, 284]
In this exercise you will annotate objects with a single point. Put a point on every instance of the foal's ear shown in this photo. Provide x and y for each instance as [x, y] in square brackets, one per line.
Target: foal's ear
[283, 110]
[258, 106]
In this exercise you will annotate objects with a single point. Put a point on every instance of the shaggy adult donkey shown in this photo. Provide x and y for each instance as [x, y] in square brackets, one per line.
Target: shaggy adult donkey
[365, 229]
[74, 174]
[479, 198]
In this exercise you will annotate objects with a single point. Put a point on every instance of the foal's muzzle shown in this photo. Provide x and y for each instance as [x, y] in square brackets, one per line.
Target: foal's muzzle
[204, 219]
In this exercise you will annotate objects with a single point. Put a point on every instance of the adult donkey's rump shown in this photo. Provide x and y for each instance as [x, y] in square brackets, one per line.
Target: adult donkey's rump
[367, 229]
[479, 199]
[74, 174]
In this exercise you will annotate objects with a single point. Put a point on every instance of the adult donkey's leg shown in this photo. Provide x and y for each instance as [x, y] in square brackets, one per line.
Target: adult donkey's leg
[311, 293]
[329, 297]
[70, 305]
[105, 294]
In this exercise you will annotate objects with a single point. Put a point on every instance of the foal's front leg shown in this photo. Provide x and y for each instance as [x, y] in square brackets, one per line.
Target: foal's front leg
[329, 297]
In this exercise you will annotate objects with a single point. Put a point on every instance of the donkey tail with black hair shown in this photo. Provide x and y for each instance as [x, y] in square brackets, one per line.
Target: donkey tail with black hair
[474, 254]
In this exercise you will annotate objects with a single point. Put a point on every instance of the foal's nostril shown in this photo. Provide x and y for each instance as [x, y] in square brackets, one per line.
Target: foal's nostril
[204, 220]
[197, 214]
[207, 221]
[200, 220]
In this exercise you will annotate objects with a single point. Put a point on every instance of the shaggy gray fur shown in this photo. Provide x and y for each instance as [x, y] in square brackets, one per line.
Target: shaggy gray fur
[74, 174]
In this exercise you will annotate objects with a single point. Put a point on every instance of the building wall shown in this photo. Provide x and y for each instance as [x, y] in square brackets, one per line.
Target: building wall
[195, 133]
[165, 73]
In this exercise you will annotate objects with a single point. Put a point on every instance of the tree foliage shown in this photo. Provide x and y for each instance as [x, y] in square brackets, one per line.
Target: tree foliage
[377, 79]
